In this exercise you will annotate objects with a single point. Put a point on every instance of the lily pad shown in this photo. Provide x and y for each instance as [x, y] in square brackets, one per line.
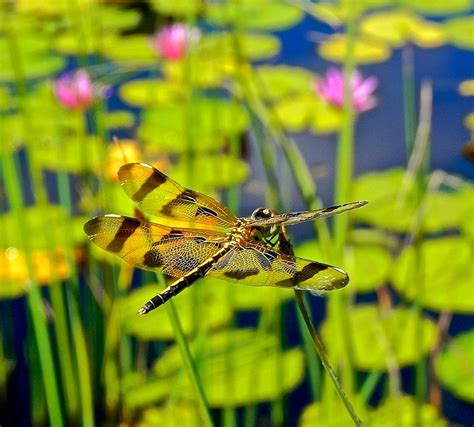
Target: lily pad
[342, 10]
[387, 335]
[205, 123]
[181, 8]
[119, 119]
[454, 366]
[238, 367]
[134, 49]
[215, 171]
[330, 414]
[438, 7]
[400, 412]
[255, 15]
[368, 266]
[446, 285]
[469, 122]
[171, 415]
[466, 88]
[202, 307]
[258, 297]
[459, 32]
[367, 51]
[392, 203]
[277, 81]
[150, 92]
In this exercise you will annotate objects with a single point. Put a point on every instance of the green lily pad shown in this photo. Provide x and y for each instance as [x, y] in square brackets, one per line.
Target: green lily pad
[171, 415]
[253, 46]
[342, 10]
[368, 266]
[255, 15]
[454, 366]
[446, 285]
[150, 92]
[119, 119]
[38, 230]
[215, 171]
[438, 7]
[134, 49]
[367, 51]
[397, 27]
[466, 88]
[325, 118]
[330, 414]
[237, 368]
[400, 412]
[392, 203]
[459, 32]
[277, 81]
[204, 301]
[206, 123]
[7, 101]
[181, 8]
[469, 122]
[387, 335]
[259, 297]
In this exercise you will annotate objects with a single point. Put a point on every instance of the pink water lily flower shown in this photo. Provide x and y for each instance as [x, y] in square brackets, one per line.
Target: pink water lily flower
[331, 89]
[75, 90]
[173, 41]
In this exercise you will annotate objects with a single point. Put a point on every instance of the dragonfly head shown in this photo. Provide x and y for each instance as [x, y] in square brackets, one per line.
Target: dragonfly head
[263, 233]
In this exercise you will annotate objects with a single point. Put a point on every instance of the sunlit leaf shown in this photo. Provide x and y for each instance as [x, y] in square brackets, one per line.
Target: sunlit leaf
[206, 124]
[469, 122]
[466, 88]
[330, 414]
[255, 14]
[150, 92]
[181, 8]
[294, 112]
[454, 366]
[118, 119]
[388, 335]
[325, 118]
[135, 49]
[171, 415]
[202, 307]
[258, 297]
[238, 367]
[401, 412]
[342, 9]
[459, 32]
[438, 7]
[367, 51]
[444, 277]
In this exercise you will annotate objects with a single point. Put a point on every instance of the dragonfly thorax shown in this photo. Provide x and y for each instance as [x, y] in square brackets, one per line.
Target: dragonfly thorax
[264, 234]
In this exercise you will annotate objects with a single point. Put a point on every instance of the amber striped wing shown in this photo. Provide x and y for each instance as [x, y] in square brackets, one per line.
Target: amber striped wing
[159, 195]
[173, 251]
[257, 265]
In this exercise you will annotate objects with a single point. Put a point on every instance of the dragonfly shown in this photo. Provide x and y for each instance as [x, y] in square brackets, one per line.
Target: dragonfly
[207, 239]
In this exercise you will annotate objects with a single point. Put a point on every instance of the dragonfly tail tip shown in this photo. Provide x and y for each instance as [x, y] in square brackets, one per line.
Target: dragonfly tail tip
[142, 311]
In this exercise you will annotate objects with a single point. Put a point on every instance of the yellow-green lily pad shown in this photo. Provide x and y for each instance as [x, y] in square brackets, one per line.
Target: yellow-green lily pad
[204, 123]
[258, 297]
[366, 50]
[181, 8]
[368, 266]
[237, 368]
[469, 122]
[294, 113]
[392, 203]
[202, 307]
[388, 335]
[341, 10]
[466, 88]
[134, 49]
[171, 415]
[330, 414]
[255, 15]
[400, 412]
[118, 119]
[438, 7]
[459, 32]
[447, 274]
[454, 366]
[150, 92]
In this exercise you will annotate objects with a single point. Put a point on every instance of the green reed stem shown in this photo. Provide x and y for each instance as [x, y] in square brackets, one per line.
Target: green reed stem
[409, 107]
[368, 387]
[33, 297]
[188, 359]
[318, 345]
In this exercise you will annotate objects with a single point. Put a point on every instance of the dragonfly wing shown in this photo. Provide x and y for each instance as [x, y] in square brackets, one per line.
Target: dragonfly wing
[254, 264]
[303, 216]
[173, 251]
[159, 195]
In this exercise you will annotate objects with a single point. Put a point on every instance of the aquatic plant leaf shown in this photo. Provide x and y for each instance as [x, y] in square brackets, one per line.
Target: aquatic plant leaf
[368, 266]
[172, 414]
[454, 366]
[150, 92]
[294, 112]
[277, 81]
[400, 412]
[378, 336]
[203, 301]
[344, 9]
[118, 119]
[134, 49]
[325, 118]
[206, 123]
[459, 32]
[466, 88]
[238, 367]
[180, 8]
[7, 100]
[253, 46]
[392, 203]
[397, 27]
[469, 122]
[447, 274]
[330, 414]
[255, 298]
[437, 7]
[215, 171]
[367, 51]
[255, 15]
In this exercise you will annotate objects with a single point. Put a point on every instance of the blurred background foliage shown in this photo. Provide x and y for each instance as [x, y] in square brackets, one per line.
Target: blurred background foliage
[254, 102]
